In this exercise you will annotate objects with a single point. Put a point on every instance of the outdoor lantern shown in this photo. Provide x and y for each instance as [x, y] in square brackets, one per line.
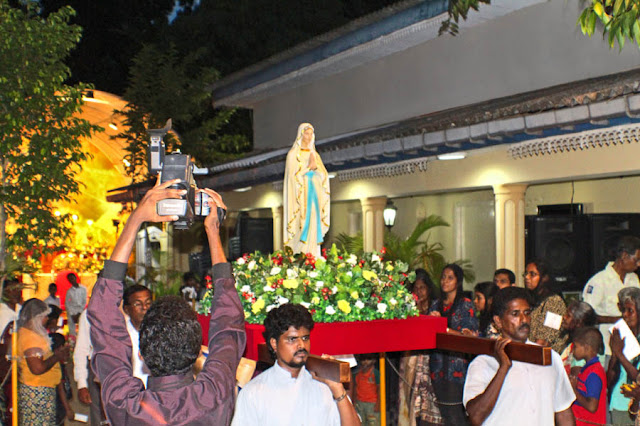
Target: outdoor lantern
[389, 214]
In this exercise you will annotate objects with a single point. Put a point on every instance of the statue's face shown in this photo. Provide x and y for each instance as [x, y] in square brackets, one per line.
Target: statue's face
[306, 136]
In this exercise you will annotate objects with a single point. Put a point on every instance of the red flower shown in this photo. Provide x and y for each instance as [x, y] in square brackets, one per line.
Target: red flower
[384, 250]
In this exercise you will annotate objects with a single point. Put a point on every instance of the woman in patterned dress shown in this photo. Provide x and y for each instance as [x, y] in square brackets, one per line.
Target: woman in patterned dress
[39, 367]
[448, 371]
[549, 307]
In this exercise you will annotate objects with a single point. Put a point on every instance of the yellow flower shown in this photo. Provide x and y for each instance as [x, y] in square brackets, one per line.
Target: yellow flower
[389, 267]
[369, 275]
[257, 306]
[315, 300]
[246, 314]
[354, 294]
[292, 283]
[344, 306]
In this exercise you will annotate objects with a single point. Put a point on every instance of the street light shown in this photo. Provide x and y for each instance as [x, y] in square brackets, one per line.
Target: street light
[389, 214]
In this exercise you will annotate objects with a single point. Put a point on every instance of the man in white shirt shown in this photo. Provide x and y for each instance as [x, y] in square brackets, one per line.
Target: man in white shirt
[88, 388]
[52, 299]
[75, 302]
[136, 301]
[601, 292]
[287, 394]
[498, 391]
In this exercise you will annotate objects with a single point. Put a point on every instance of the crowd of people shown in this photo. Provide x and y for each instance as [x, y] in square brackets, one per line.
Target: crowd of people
[133, 358]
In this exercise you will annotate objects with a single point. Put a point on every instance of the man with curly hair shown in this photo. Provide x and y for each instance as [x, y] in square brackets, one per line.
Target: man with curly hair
[287, 394]
[170, 337]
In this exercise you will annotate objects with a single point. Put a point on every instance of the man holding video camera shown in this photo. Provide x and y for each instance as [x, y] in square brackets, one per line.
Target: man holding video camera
[169, 336]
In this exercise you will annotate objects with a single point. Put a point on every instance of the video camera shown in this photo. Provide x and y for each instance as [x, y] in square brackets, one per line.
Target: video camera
[178, 166]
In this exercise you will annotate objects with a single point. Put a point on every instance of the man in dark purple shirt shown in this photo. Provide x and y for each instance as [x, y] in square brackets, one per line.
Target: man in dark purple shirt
[173, 396]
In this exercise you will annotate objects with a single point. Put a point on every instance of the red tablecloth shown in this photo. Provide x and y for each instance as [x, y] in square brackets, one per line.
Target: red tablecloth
[356, 337]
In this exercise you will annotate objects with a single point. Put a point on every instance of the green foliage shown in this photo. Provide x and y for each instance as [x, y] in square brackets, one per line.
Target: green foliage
[162, 280]
[619, 19]
[177, 89]
[39, 131]
[458, 9]
[413, 251]
[337, 287]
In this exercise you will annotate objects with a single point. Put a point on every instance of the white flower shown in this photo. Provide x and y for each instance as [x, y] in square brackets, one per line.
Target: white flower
[350, 273]
[375, 258]
[313, 274]
[281, 300]
[330, 310]
[334, 290]
[268, 288]
[275, 270]
[246, 289]
[382, 308]
[319, 285]
[359, 304]
[291, 274]
[352, 260]
[240, 261]
[251, 265]
[305, 304]
[270, 307]
[393, 301]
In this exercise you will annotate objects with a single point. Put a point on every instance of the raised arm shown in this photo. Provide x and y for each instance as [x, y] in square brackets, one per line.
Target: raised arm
[480, 407]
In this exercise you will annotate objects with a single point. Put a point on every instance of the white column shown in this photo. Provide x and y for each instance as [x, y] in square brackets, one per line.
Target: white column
[277, 213]
[373, 223]
[510, 228]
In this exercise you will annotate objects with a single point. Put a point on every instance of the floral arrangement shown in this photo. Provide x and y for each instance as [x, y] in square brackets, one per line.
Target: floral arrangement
[336, 287]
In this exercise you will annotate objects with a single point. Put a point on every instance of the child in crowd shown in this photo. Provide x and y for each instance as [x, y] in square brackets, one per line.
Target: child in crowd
[367, 382]
[590, 385]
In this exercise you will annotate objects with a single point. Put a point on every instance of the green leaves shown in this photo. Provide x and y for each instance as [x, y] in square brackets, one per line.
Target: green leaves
[619, 21]
[40, 135]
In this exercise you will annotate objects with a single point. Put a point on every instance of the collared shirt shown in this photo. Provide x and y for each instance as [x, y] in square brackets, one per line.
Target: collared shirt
[52, 301]
[592, 383]
[84, 350]
[140, 370]
[274, 398]
[75, 300]
[601, 292]
[530, 395]
[208, 400]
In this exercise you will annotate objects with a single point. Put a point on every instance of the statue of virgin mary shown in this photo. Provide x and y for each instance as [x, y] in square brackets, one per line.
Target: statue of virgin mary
[306, 195]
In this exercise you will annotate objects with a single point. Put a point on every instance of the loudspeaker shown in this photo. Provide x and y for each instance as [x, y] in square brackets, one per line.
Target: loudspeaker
[563, 242]
[606, 229]
[200, 263]
[251, 234]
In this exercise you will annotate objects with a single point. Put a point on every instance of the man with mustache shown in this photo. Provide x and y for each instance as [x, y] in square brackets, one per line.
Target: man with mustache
[287, 394]
[499, 391]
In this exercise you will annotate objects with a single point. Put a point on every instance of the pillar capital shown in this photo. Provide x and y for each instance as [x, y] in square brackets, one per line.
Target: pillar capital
[510, 189]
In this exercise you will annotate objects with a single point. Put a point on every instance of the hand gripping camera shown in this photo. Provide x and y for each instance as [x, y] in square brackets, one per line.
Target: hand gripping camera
[178, 166]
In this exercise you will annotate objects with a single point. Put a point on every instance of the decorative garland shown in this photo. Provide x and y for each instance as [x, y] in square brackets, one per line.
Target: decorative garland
[336, 287]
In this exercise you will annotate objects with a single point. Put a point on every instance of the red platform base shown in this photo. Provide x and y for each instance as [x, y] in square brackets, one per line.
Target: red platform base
[356, 337]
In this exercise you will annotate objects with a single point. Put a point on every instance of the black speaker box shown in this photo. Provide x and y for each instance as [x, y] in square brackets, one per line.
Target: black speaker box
[252, 234]
[606, 229]
[563, 242]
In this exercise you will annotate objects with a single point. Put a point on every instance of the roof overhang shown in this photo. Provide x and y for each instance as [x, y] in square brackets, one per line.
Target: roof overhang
[395, 29]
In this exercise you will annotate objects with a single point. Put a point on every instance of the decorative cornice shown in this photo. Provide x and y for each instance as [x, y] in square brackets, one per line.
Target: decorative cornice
[384, 170]
[599, 138]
